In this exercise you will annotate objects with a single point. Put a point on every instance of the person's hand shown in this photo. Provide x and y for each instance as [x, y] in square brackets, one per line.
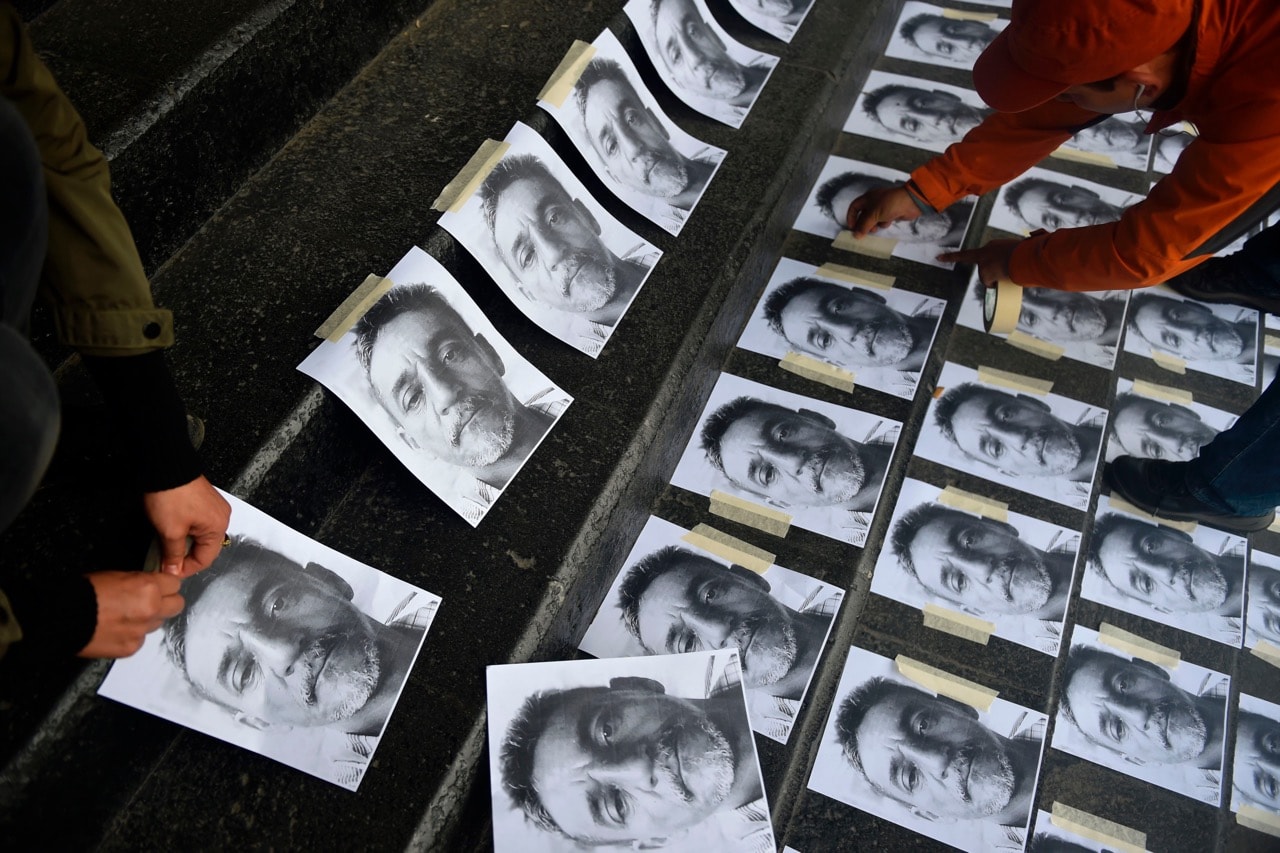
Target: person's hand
[879, 207]
[195, 510]
[992, 260]
[130, 606]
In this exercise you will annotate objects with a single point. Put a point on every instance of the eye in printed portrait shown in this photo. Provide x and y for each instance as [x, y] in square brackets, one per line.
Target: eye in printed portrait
[1219, 340]
[927, 33]
[1255, 778]
[915, 112]
[1150, 427]
[1042, 199]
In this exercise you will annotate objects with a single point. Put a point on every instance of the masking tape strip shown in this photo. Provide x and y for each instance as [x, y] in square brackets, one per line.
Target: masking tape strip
[1123, 505]
[1252, 817]
[818, 371]
[970, 502]
[1001, 307]
[566, 75]
[957, 624]
[1093, 158]
[1016, 381]
[1162, 392]
[870, 245]
[962, 15]
[1171, 363]
[946, 684]
[734, 508]
[353, 308]
[854, 275]
[1268, 652]
[1035, 346]
[1139, 647]
[731, 548]
[1115, 835]
[464, 184]
[1271, 341]
[1275, 526]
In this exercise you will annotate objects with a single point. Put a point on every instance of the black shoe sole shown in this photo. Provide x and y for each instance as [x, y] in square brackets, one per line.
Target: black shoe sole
[1261, 303]
[1234, 523]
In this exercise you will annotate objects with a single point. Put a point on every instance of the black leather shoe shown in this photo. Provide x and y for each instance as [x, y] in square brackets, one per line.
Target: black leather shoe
[1216, 280]
[1158, 487]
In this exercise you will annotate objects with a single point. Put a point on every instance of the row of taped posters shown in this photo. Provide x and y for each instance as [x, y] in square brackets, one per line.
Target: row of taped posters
[702, 640]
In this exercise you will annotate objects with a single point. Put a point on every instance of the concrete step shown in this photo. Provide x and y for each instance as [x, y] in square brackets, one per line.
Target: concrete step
[347, 195]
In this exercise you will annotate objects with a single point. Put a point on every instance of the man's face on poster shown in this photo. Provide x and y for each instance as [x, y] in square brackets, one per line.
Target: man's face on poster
[1264, 602]
[772, 8]
[443, 386]
[1110, 136]
[1052, 206]
[1257, 762]
[1162, 567]
[552, 245]
[699, 604]
[281, 646]
[792, 457]
[979, 564]
[693, 54]
[1150, 429]
[625, 763]
[852, 328]
[1016, 434]
[958, 40]
[1186, 329]
[1061, 315]
[926, 116]
[1133, 708]
[926, 228]
[631, 141]
[933, 755]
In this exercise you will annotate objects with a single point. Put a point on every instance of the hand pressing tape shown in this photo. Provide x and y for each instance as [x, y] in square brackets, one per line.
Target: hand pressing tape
[1123, 505]
[1267, 652]
[958, 624]
[346, 315]
[1162, 392]
[1171, 363]
[1117, 836]
[566, 75]
[1001, 307]
[1035, 346]
[818, 371]
[1014, 381]
[870, 245]
[1138, 647]
[977, 504]
[854, 275]
[465, 183]
[731, 548]
[945, 684]
[1093, 158]
[734, 508]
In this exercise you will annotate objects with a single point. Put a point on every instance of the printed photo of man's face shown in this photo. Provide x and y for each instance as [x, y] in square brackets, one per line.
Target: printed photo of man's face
[1184, 329]
[1015, 433]
[842, 325]
[955, 40]
[694, 56]
[1159, 566]
[1256, 776]
[1049, 205]
[1155, 429]
[1061, 315]
[835, 196]
[923, 115]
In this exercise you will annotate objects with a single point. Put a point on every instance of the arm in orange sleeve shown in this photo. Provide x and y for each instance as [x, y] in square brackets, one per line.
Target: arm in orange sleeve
[1212, 185]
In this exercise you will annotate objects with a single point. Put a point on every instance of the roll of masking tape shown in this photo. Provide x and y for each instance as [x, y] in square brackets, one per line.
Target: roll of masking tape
[1001, 306]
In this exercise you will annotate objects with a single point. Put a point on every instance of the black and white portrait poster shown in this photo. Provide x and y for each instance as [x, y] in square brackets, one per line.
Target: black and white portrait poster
[1118, 138]
[671, 597]
[1192, 581]
[702, 64]
[1043, 444]
[1215, 339]
[929, 763]
[431, 376]
[922, 239]
[778, 18]
[1048, 838]
[639, 153]
[285, 648]
[1158, 724]
[916, 112]
[1015, 573]
[881, 336]
[1041, 199]
[951, 38]
[641, 752]
[1262, 616]
[1152, 427]
[820, 463]
[1086, 326]
[568, 264]
[1255, 774]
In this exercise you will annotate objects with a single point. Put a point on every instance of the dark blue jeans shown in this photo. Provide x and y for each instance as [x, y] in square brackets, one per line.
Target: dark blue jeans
[1239, 471]
[29, 415]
